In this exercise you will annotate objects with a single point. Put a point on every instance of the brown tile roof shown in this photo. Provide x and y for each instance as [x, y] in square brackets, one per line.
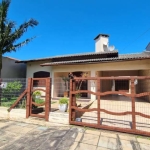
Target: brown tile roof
[123, 57]
[75, 56]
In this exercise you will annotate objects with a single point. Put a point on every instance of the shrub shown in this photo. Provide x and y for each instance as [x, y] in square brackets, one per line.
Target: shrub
[38, 93]
[63, 100]
[11, 89]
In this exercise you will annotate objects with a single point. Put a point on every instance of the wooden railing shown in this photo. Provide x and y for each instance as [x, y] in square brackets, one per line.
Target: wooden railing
[17, 101]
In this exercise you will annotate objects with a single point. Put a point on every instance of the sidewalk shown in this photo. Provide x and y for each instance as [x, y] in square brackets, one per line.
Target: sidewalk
[36, 134]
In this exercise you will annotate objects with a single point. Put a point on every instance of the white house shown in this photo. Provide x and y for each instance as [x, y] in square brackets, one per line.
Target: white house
[104, 62]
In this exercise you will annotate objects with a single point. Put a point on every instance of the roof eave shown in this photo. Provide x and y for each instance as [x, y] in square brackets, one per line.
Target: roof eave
[104, 61]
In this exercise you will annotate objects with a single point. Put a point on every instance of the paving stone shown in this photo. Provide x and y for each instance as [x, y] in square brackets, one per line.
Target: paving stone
[95, 132]
[108, 143]
[112, 143]
[14, 128]
[70, 135]
[102, 148]
[73, 146]
[126, 145]
[90, 139]
[107, 134]
[79, 137]
[83, 146]
[145, 146]
[25, 130]
[144, 141]
[42, 128]
[35, 132]
[82, 130]
[127, 137]
[2, 125]
[51, 143]
[103, 141]
[59, 133]
[135, 145]
[65, 144]
[22, 124]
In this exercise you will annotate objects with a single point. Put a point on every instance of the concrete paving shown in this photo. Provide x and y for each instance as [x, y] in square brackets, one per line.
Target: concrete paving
[16, 135]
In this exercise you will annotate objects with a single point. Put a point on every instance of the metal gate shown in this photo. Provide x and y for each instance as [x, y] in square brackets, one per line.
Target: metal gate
[38, 105]
[122, 104]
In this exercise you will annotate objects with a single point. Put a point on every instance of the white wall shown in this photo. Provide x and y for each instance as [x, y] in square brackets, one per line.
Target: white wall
[126, 65]
[10, 69]
[99, 43]
[33, 67]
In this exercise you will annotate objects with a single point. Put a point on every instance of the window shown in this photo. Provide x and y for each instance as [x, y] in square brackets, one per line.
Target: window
[40, 74]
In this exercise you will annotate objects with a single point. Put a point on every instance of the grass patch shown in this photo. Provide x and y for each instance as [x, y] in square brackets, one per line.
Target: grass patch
[39, 101]
[6, 103]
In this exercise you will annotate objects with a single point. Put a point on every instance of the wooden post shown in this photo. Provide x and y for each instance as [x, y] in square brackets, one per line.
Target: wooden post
[73, 100]
[133, 104]
[70, 102]
[98, 103]
[28, 98]
[0, 91]
[47, 99]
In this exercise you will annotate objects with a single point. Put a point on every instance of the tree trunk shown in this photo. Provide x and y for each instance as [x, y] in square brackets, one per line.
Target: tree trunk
[0, 75]
[0, 88]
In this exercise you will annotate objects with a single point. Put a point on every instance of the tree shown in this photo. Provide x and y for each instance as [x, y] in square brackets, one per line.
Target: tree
[9, 33]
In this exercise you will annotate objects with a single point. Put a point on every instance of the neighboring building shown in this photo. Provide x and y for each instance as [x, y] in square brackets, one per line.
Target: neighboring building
[10, 69]
[104, 62]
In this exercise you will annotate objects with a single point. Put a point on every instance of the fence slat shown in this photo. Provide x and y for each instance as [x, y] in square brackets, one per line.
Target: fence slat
[98, 103]
[28, 98]
[133, 103]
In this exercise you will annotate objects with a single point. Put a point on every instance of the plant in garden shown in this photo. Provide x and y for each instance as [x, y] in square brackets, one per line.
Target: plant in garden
[63, 100]
[11, 89]
[36, 93]
[65, 79]
[79, 82]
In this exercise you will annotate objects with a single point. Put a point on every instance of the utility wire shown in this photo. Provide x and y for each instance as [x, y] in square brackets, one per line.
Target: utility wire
[137, 38]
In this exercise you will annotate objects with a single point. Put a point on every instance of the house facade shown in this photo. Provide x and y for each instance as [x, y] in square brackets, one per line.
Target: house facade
[104, 62]
[10, 69]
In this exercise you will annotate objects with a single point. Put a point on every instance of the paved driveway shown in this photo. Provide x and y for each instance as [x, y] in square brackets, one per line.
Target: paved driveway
[25, 136]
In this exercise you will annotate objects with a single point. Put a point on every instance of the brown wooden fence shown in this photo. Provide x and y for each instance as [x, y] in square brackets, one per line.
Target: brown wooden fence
[132, 97]
[41, 110]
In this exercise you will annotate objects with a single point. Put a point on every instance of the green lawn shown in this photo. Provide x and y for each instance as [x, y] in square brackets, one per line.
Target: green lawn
[8, 103]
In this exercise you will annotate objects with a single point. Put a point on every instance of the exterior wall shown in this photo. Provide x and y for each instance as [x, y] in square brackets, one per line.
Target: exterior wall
[33, 67]
[144, 85]
[10, 69]
[59, 84]
[127, 65]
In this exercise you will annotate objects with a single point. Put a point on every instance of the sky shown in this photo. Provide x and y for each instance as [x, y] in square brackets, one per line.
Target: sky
[70, 26]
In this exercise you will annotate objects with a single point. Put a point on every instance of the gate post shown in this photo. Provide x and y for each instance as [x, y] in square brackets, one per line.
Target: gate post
[70, 102]
[72, 113]
[133, 104]
[48, 99]
[28, 98]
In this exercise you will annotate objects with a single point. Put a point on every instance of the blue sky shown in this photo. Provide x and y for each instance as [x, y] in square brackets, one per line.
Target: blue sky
[69, 26]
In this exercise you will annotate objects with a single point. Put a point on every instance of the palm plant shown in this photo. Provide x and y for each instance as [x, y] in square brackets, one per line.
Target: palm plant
[9, 34]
